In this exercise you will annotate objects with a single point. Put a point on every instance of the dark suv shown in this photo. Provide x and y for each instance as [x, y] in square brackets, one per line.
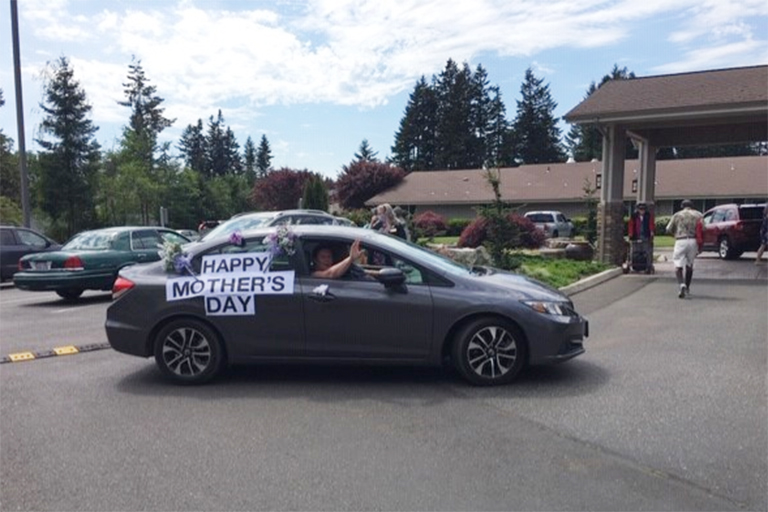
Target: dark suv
[16, 242]
[732, 229]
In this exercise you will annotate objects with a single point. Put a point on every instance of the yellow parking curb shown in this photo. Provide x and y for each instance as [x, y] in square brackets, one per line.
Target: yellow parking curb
[66, 350]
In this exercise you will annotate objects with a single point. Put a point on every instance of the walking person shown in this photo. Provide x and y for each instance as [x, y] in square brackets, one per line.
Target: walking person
[763, 236]
[685, 226]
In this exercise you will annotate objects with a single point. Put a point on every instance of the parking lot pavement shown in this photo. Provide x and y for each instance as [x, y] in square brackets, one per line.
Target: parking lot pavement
[708, 265]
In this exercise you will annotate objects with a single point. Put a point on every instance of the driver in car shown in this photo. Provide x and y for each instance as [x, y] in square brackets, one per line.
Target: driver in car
[322, 257]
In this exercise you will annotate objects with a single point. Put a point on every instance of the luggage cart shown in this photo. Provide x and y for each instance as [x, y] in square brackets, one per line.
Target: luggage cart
[639, 257]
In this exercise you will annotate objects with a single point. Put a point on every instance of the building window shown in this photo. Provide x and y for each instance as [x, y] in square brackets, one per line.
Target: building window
[634, 185]
[599, 181]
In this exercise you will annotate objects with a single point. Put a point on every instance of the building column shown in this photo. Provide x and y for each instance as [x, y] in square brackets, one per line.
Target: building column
[610, 213]
[646, 181]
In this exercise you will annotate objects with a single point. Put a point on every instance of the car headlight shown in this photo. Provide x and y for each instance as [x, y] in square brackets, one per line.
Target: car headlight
[550, 308]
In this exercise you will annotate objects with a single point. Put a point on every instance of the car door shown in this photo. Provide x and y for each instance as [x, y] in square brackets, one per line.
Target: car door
[276, 328]
[361, 318]
[145, 245]
[10, 252]
[715, 227]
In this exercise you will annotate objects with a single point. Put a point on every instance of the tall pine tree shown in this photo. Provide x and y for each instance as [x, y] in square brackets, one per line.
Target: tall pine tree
[535, 128]
[193, 147]
[70, 155]
[415, 140]
[249, 160]
[263, 158]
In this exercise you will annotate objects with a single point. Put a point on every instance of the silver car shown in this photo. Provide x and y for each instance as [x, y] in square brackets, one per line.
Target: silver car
[553, 223]
[255, 300]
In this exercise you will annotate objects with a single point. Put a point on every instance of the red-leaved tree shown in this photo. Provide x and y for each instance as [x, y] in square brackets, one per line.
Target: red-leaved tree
[280, 189]
[363, 179]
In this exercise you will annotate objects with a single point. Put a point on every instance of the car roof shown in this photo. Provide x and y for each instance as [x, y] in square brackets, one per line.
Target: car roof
[329, 230]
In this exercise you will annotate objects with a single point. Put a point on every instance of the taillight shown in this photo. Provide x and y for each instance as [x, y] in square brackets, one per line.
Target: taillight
[121, 286]
[73, 263]
[20, 265]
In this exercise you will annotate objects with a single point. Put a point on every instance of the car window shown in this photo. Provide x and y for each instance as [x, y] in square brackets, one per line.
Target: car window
[122, 241]
[239, 224]
[314, 219]
[90, 241]
[707, 219]
[145, 239]
[719, 216]
[6, 237]
[540, 217]
[560, 217]
[170, 236]
[751, 212]
[31, 239]
[279, 262]
[730, 215]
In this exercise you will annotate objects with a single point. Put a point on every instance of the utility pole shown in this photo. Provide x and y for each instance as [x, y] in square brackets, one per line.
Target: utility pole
[20, 115]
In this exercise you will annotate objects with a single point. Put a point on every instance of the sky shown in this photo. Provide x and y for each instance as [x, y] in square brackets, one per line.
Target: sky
[317, 77]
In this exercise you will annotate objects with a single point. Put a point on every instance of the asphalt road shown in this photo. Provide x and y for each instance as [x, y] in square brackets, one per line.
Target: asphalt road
[666, 411]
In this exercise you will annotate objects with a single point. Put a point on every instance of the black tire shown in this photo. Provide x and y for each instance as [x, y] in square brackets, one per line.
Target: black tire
[725, 250]
[188, 351]
[69, 293]
[489, 351]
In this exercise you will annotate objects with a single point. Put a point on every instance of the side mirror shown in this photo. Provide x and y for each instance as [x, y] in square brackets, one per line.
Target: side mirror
[391, 277]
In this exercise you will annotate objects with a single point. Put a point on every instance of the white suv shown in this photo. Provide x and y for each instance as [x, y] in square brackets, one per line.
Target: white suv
[554, 224]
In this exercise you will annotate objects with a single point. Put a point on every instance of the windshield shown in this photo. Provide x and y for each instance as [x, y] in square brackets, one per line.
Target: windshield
[90, 241]
[419, 254]
[239, 224]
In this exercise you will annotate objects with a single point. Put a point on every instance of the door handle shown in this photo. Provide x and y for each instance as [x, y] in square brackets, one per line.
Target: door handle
[327, 297]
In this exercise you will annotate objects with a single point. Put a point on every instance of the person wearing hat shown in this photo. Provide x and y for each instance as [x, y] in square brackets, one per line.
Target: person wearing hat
[685, 226]
[641, 224]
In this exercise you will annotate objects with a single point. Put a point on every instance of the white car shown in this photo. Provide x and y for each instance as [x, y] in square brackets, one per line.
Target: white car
[553, 223]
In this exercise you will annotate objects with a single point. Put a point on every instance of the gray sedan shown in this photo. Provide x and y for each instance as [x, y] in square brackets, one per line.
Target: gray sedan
[253, 298]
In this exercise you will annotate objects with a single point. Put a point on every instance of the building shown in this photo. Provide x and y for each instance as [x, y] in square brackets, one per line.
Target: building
[561, 186]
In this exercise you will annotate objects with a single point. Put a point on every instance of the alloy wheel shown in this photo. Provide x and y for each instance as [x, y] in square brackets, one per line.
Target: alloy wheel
[492, 352]
[187, 352]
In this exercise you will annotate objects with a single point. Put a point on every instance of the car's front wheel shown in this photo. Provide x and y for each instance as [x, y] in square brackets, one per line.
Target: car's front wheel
[188, 351]
[69, 293]
[489, 351]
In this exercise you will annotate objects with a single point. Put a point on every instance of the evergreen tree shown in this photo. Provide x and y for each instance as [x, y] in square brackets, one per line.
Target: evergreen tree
[10, 180]
[216, 147]
[456, 146]
[249, 160]
[365, 153]
[535, 126]
[137, 161]
[315, 195]
[415, 140]
[263, 158]
[193, 147]
[70, 153]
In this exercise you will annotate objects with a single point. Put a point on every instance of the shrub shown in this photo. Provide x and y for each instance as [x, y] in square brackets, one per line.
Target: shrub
[661, 224]
[477, 232]
[429, 224]
[456, 226]
[360, 216]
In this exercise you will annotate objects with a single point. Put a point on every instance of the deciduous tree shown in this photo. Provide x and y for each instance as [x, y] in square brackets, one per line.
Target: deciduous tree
[361, 180]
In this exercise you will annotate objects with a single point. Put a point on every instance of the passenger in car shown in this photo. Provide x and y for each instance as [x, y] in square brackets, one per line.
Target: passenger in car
[322, 259]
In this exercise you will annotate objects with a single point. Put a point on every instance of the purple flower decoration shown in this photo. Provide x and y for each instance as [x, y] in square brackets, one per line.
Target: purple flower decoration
[237, 239]
[182, 263]
[281, 242]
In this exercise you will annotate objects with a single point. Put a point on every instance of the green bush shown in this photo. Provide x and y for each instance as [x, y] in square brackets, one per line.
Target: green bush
[360, 216]
[579, 226]
[456, 226]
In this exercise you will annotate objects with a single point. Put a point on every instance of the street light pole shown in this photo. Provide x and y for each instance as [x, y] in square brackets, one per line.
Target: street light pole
[20, 115]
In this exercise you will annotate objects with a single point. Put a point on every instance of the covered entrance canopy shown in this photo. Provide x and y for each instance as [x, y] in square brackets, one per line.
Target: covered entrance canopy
[727, 106]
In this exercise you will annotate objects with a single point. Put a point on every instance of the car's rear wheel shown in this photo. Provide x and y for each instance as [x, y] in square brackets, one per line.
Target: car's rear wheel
[489, 351]
[69, 293]
[188, 351]
[726, 250]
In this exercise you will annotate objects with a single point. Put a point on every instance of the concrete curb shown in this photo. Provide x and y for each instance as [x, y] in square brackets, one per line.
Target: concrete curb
[589, 282]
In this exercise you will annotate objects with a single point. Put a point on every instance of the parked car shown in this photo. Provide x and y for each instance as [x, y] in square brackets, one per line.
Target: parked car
[420, 309]
[243, 221]
[192, 234]
[732, 229]
[553, 223]
[92, 259]
[16, 242]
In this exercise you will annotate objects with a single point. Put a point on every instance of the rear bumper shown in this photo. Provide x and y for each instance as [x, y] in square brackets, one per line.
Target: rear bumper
[63, 280]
